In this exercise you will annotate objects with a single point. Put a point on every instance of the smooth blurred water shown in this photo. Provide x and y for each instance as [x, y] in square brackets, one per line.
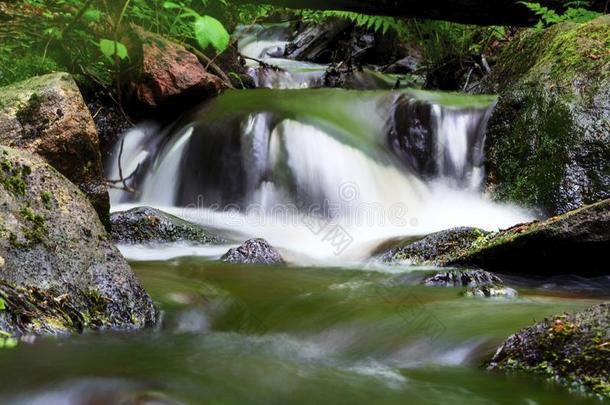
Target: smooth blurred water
[274, 335]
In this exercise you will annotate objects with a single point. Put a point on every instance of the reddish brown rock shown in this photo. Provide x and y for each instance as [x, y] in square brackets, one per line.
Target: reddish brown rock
[169, 79]
[47, 115]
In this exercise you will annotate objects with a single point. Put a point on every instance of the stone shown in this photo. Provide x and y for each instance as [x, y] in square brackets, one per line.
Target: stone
[62, 272]
[573, 243]
[548, 140]
[436, 249]
[48, 116]
[253, 251]
[573, 349]
[148, 225]
[169, 79]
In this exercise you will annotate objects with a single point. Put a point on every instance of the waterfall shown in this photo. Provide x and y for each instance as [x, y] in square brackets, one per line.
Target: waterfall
[323, 174]
[295, 166]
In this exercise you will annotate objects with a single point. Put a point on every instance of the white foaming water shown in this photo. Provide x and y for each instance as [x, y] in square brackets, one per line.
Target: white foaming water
[339, 204]
[291, 75]
[294, 174]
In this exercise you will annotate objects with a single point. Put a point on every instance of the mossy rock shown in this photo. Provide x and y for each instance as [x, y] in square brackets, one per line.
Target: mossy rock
[146, 225]
[436, 249]
[47, 115]
[572, 243]
[59, 269]
[571, 348]
[548, 140]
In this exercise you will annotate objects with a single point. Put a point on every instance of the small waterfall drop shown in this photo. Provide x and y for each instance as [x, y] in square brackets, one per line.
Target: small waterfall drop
[293, 166]
[326, 175]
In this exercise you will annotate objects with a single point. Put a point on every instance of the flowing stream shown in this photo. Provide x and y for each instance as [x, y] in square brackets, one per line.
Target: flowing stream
[289, 162]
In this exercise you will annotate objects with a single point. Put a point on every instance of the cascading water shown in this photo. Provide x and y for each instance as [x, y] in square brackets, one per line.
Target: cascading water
[325, 175]
[289, 166]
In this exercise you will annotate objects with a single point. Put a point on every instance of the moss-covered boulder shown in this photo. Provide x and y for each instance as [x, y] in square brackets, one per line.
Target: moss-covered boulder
[48, 116]
[59, 270]
[436, 249]
[548, 141]
[574, 243]
[145, 225]
[571, 348]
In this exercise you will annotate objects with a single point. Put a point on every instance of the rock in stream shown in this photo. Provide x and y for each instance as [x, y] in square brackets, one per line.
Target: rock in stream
[59, 270]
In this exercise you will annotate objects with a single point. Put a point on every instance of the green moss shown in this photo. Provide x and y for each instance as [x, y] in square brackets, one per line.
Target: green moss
[15, 69]
[38, 230]
[46, 199]
[13, 177]
[571, 349]
[536, 153]
[33, 310]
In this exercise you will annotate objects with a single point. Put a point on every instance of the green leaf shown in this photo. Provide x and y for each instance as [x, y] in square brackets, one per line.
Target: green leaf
[210, 31]
[92, 15]
[171, 5]
[108, 48]
[2, 304]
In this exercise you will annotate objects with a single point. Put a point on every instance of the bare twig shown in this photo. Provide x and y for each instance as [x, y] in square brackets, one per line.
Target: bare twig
[207, 61]
[264, 64]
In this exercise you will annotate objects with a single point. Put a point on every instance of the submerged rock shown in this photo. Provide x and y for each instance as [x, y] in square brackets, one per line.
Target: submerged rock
[253, 251]
[170, 79]
[480, 283]
[149, 225]
[60, 271]
[48, 116]
[463, 278]
[571, 348]
[491, 291]
[435, 249]
[548, 140]
[574, 243]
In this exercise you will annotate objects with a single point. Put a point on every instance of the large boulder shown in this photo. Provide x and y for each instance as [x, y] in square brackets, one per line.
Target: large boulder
[253, 251]
[168, 79]
[59, 269]
[573, 349]
[436, 249]
[48, 116]
[148, 225]
[548, 141]
[573, 243]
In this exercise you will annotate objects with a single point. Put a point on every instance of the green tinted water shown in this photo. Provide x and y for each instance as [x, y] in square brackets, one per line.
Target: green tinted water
[235, 334]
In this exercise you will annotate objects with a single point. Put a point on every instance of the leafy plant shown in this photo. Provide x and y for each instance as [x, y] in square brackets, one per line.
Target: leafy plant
[374, 22]
[206, 30]
[576, 11]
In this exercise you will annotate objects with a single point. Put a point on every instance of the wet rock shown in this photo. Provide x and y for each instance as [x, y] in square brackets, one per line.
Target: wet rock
[254, 251]
[169, 78]
[48, 116]
[149, 225]
[570, 348]
[491, 291]
[463, 278]
[573, 243]
[61, 272]
[435, 249]
[548, 140]
[409, 64]
[480, 283]
[318, 42]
